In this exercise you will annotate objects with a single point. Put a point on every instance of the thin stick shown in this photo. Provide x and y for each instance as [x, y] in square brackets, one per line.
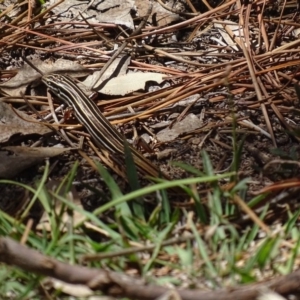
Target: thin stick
[31, 65]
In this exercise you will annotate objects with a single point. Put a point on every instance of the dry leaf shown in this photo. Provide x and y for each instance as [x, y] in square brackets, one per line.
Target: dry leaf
[16, 159]
[130, 82]
[26, 75]
[169, 295]
[10, 10]
[235, 29]
[191, 122]
[162, 16]
[106, 11]
[270, 295]
[118, 67]
[11, 124]
[76, 290]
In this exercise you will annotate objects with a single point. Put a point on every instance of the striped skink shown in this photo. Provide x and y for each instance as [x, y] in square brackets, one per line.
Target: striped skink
[104, 134]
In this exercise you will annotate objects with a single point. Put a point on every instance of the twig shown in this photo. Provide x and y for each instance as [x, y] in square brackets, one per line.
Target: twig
[120, 285]
[95, 257]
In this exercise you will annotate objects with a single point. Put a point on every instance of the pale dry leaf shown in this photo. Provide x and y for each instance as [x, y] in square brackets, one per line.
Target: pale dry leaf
[235, 29]
[162, 16]
[169, 295]
[76, 290]
[130, 82]
[15, 159]
[269, 295]
[11, 124]
[118, 67]
[296, 32]
[166, 153]
[105, 11]
[26, 75]
[189, 123]
[79, 291]
[10, 10]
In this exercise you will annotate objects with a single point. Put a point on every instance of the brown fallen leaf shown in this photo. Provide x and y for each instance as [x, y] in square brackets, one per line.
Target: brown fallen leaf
[108, 11]
[189, 123]
[11, 124]
[15, 159]
[17, 85]
[162, 16]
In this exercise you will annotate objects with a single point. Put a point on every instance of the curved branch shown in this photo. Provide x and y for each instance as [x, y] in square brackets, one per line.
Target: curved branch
[116, 284]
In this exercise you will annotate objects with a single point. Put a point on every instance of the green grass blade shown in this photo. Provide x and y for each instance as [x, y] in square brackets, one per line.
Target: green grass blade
[114, 190]
[133, 179]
